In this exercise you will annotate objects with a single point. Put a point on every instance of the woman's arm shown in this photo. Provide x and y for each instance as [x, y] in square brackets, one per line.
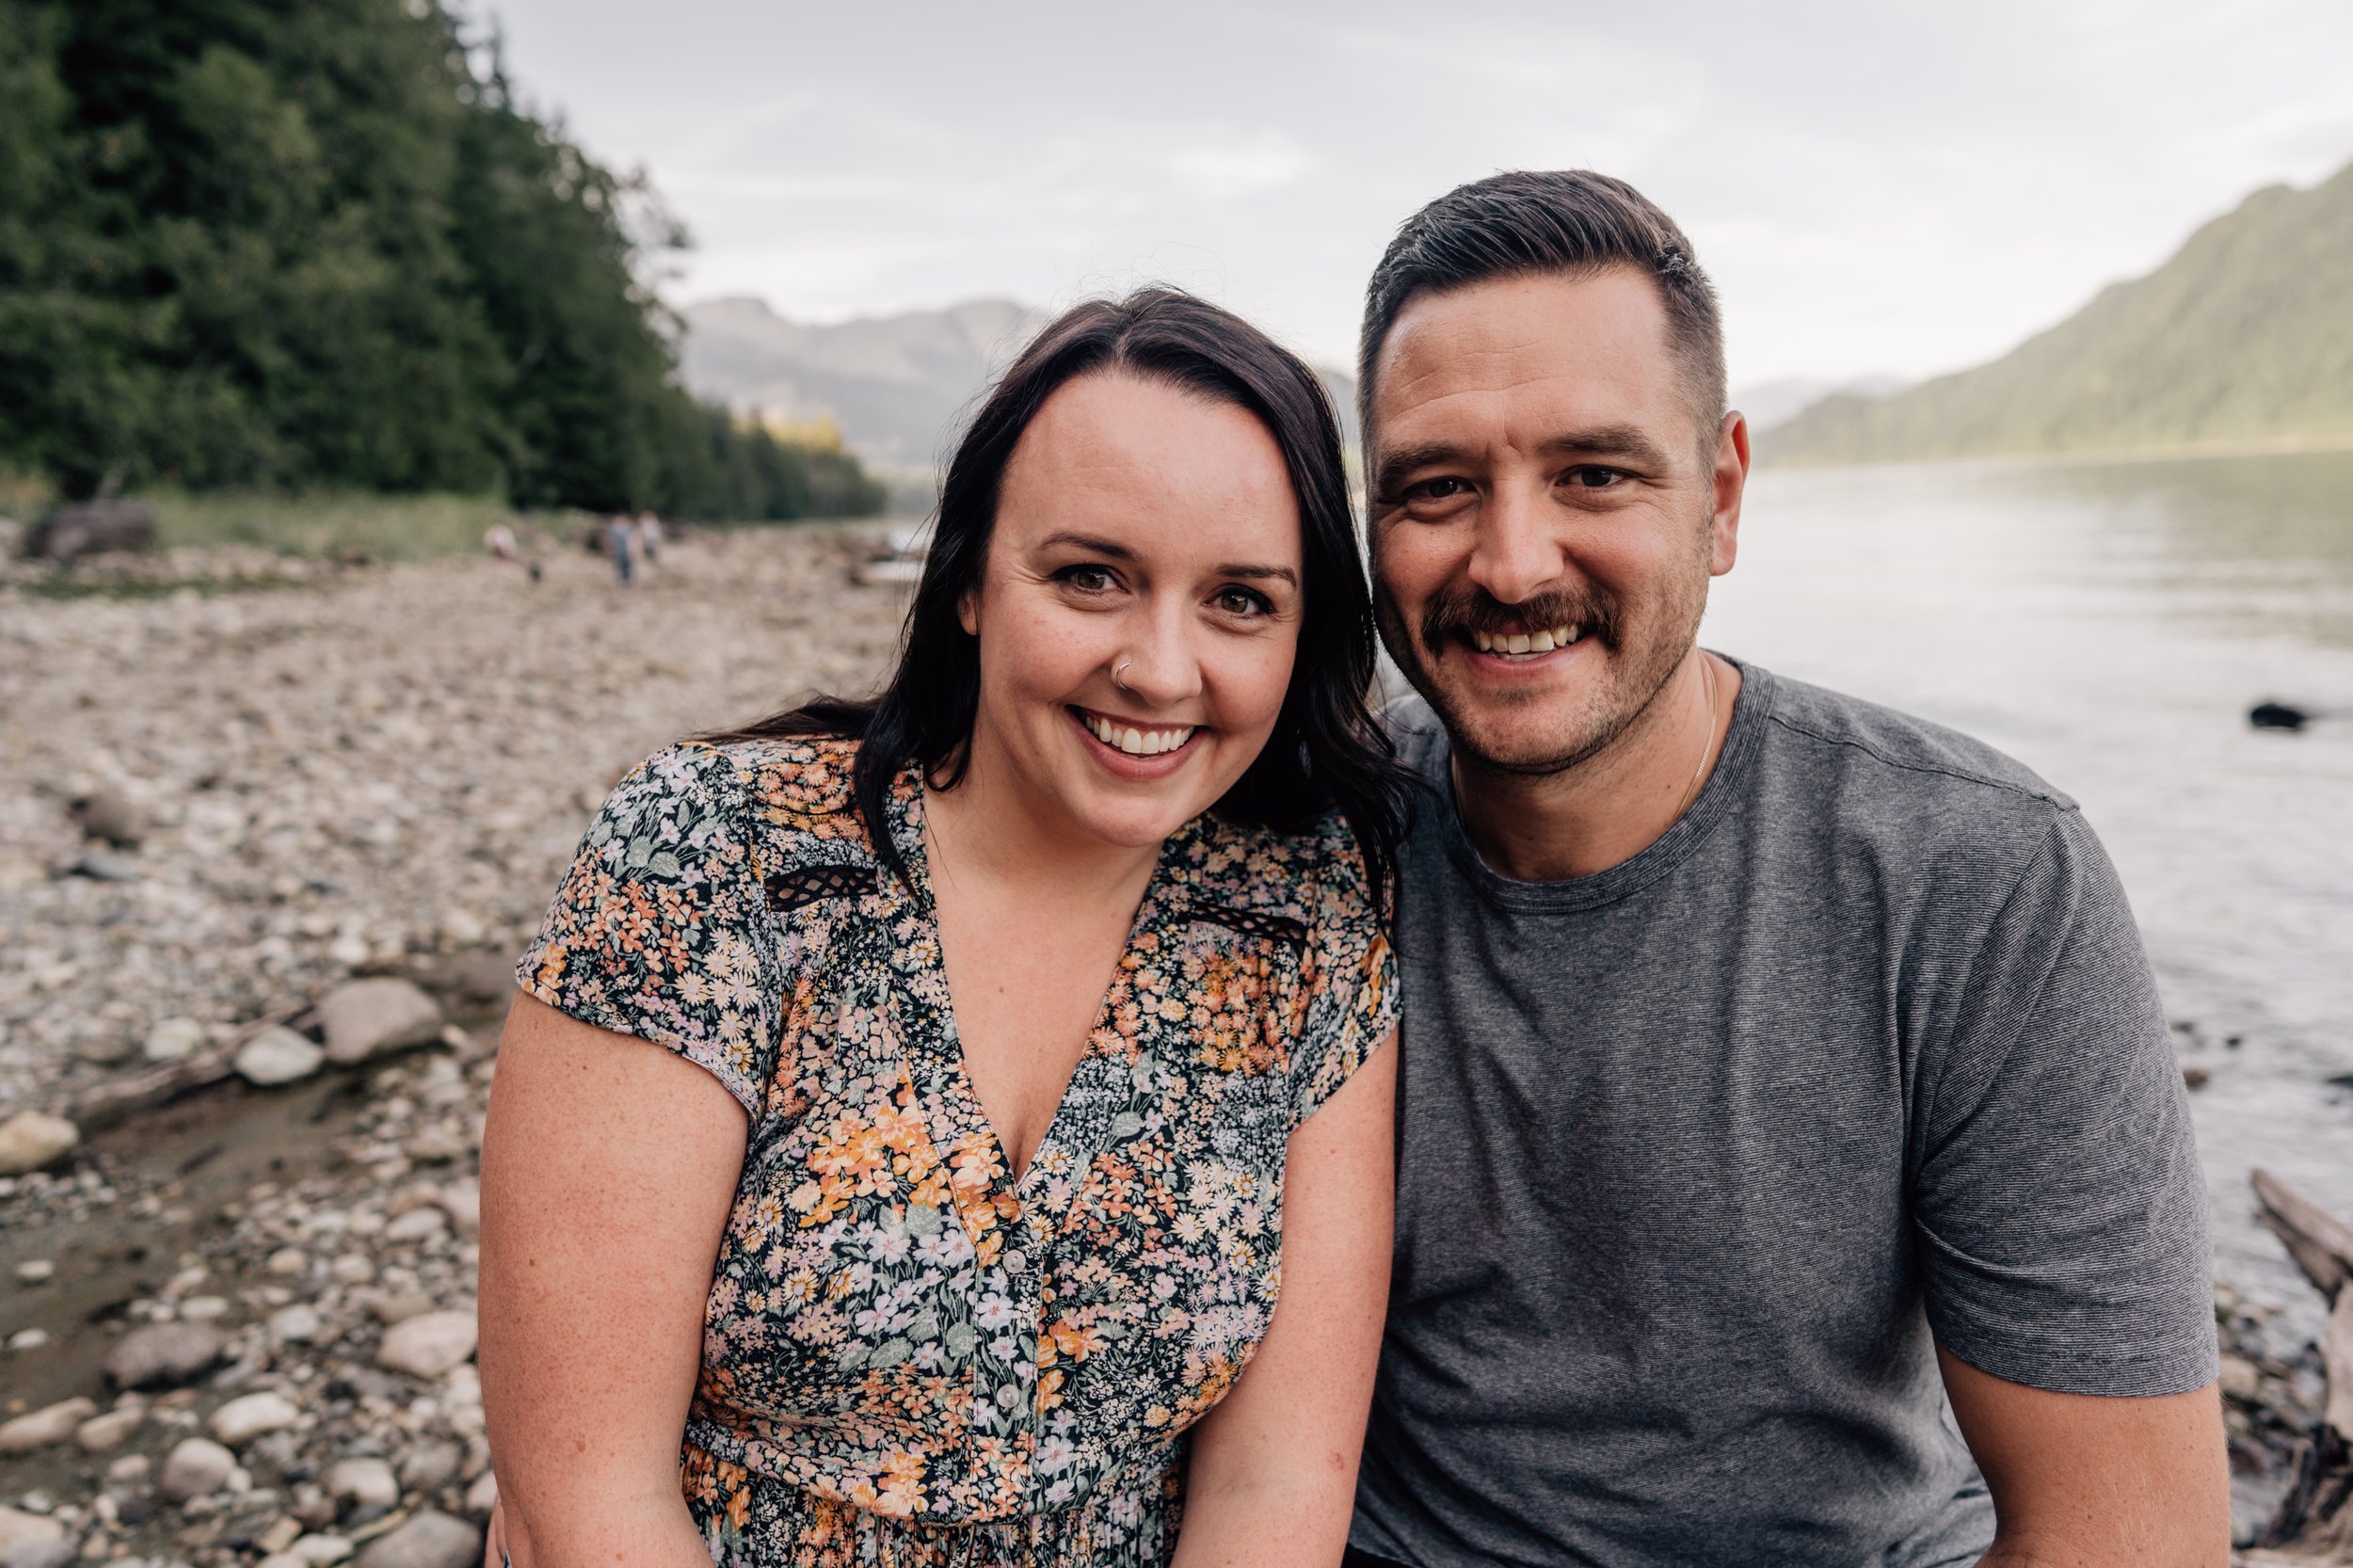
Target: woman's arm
[1274, 1473]
[608, 1169]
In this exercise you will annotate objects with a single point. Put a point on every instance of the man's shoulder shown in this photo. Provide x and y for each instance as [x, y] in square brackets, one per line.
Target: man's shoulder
[1416, 731]
[1879, 753]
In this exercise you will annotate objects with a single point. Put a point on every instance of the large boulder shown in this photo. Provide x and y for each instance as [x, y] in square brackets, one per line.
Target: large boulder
[164, 1355]
[30, 1140]
[367, 1017]
[91, 528]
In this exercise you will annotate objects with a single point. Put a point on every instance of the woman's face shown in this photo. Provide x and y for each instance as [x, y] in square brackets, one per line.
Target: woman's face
[1139, 608]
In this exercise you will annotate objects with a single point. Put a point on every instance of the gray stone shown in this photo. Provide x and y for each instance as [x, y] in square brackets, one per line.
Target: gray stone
[278, 1055]
[429, 1344]
[50, 1424]
[197, 1469]
[483, 1494]
[462, 1202]
[173, 1039]
[107, 813]
[163, 1355]
[242, 1420]
[36, 1270]
[321, 1551]
[19, 1530]
[367, 1017]
[431, 1464]
[91, 528]
[41, 1554]
[430, 1540]
[104, 865]
[31, 1139]
[105, 1048]
[110, 1428]
[297, 1324]
[366, 1486]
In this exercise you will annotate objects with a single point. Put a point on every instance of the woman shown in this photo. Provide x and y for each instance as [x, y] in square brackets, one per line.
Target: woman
[999, 1010]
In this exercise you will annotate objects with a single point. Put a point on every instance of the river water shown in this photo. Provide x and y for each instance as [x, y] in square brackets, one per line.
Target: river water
[2110, 625]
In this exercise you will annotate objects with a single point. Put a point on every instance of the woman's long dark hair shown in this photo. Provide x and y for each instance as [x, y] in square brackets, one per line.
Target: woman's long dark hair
[1325, 750]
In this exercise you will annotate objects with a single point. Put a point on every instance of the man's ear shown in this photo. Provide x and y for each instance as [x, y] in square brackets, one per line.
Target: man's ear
[1731, 480]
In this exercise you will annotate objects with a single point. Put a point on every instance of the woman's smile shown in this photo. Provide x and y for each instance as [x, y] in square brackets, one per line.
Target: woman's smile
[1125, 743]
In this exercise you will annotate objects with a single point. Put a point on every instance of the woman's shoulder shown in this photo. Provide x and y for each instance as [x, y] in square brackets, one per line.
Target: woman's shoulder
[778, 790]
[1312, 873]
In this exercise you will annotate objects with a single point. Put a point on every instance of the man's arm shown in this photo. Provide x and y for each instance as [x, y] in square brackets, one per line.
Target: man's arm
[2085, 1481]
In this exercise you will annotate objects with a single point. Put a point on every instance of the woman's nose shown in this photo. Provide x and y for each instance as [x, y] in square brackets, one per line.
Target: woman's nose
[1163, 667]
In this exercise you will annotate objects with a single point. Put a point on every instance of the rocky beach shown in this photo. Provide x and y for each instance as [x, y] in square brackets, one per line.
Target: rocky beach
[271, 832]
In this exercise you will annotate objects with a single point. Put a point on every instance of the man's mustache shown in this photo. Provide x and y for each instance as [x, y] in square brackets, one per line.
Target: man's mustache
[1456, 612]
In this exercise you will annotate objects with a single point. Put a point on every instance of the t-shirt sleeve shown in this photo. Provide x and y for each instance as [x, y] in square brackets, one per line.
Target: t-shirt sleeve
[2059, 1199]
[1351, 978]
[659, 929]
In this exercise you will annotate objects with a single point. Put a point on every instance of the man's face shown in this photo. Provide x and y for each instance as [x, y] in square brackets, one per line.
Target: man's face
[1546, 513]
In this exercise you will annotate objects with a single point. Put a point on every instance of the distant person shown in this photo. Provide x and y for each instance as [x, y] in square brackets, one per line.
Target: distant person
[649, 535]
[1023, 1032]
[499, 540]
[1774, 1066]
[621, 542]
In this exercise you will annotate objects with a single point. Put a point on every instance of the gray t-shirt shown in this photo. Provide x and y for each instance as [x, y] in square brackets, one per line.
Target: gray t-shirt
[1697, 1152]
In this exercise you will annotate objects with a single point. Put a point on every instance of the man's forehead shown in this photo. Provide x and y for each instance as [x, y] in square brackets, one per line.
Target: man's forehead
[1548, 336]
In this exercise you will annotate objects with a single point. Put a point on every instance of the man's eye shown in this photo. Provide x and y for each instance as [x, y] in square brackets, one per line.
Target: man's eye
[1086, 579]
[1592, 478]
[1437, 489]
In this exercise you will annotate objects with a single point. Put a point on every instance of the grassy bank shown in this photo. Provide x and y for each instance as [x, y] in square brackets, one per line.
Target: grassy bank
[383, 527]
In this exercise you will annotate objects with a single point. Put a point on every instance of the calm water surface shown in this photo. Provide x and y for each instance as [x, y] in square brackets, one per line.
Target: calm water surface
[2110, 625]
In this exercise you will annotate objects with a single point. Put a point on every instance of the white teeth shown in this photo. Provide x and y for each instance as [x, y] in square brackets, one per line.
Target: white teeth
[1135, 741]
[1525, 643]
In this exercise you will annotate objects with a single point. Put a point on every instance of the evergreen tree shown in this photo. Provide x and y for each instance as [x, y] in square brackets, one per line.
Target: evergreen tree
[305, 243]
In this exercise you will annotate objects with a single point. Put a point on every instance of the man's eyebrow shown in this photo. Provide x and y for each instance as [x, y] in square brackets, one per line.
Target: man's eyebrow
[1624, 441]
[1608, 440]
[1397, 464]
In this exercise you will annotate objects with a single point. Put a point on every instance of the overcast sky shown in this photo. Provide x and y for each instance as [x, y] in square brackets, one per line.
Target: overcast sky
[1876, 185]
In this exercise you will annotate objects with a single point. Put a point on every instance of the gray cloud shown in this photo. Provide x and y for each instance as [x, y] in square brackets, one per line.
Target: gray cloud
[1875, 186]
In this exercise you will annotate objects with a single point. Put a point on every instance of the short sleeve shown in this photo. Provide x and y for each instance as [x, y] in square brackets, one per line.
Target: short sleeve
[1350, 975]
[659, 929]
[2057, 1194]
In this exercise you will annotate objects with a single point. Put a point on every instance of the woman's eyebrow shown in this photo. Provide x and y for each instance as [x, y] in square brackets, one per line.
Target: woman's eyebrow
[1087, 541]
[1282, 574]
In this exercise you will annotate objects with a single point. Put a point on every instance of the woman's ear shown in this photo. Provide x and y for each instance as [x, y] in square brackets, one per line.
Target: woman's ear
[969, 612]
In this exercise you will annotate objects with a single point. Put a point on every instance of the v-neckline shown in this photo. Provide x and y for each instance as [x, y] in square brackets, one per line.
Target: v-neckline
[906, 814]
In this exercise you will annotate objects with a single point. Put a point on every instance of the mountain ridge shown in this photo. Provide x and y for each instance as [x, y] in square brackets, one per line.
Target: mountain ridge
[897, 386]
[2241, 339]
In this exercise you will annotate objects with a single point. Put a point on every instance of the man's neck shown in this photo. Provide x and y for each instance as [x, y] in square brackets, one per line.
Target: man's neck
[1557, 827]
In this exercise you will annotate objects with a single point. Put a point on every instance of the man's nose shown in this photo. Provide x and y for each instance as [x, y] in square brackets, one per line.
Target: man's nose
[1514, 556]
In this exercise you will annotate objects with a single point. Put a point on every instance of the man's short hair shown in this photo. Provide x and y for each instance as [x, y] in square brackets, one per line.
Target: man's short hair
[1532, 222]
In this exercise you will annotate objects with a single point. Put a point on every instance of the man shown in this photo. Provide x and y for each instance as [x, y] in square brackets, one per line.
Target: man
[1776, 1066]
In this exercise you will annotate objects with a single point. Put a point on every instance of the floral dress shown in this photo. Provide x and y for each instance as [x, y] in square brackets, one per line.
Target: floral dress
[910, 1357]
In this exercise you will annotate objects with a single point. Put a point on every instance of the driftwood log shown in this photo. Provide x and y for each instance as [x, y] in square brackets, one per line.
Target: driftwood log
[2315, 1521]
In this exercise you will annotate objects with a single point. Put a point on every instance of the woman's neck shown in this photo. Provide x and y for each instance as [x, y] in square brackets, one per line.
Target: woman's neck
[991, 827]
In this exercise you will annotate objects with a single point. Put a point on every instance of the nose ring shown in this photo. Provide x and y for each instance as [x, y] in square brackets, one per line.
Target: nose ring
[1119, 672]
